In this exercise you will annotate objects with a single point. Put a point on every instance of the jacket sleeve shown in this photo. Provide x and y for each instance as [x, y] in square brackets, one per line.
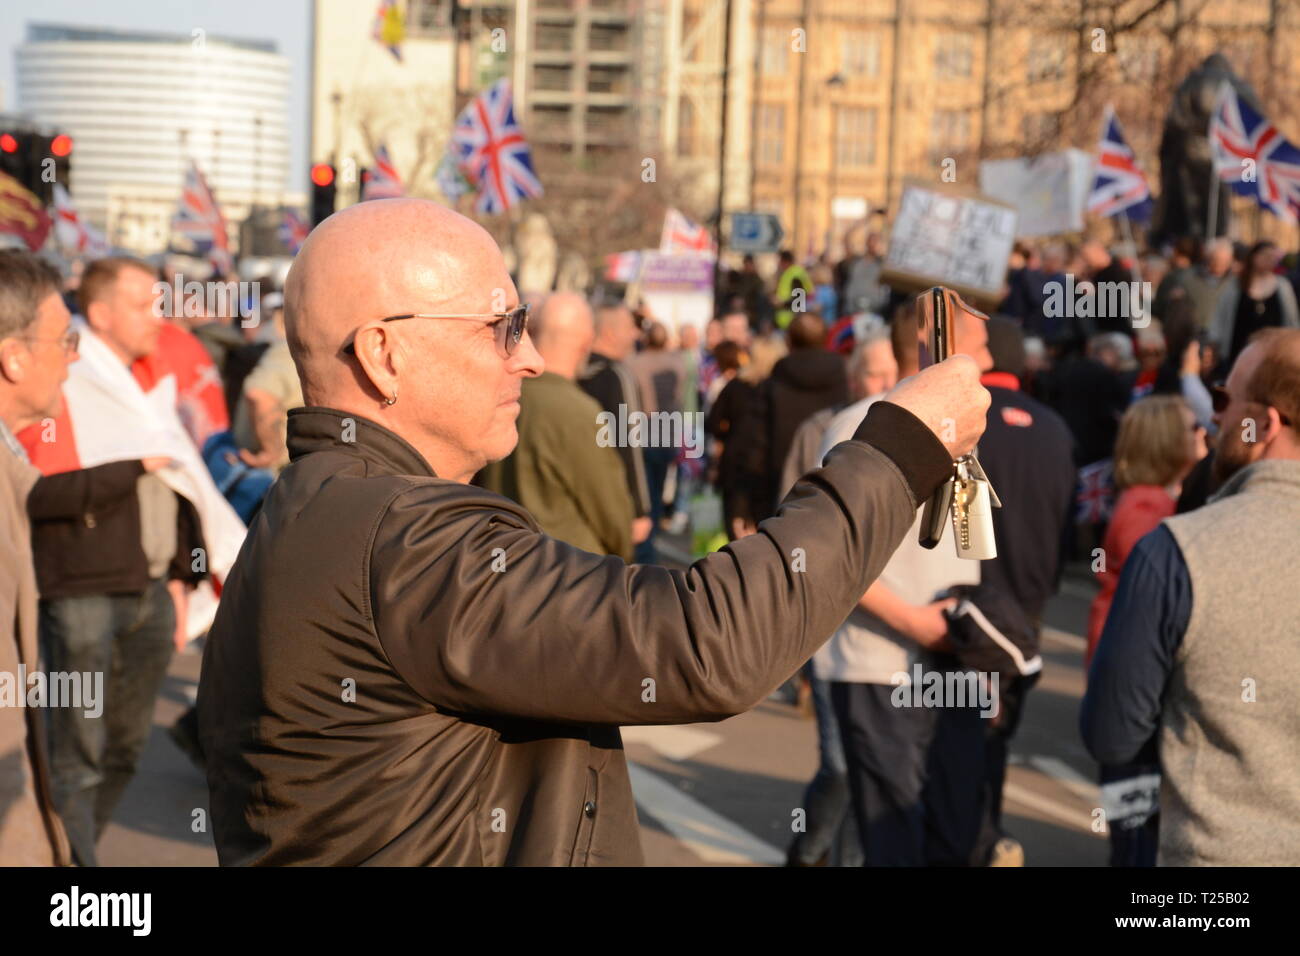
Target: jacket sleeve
[1135, 657]
[71, 494]
[482, 614]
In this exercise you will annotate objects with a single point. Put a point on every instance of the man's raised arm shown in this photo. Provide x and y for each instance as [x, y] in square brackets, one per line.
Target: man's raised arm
[482, 614]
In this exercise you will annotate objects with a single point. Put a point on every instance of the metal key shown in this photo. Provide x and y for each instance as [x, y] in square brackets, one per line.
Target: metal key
[972, 516]
[967, 496]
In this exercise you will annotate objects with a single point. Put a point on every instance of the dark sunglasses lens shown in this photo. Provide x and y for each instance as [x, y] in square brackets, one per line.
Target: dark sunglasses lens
[518, 321]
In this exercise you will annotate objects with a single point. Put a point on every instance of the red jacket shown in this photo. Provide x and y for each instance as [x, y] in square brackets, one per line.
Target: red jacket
[1138, 511]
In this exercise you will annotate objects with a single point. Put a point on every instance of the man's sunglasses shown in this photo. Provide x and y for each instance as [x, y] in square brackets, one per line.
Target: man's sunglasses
[509, 326]
[1220, 399]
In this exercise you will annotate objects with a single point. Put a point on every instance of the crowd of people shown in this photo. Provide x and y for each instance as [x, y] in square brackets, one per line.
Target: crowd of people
[1159, 447]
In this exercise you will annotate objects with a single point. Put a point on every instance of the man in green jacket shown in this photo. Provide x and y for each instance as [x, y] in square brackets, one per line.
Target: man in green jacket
[572, 484]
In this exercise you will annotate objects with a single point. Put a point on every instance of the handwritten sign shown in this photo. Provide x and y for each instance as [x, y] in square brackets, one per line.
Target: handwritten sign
[960, 240]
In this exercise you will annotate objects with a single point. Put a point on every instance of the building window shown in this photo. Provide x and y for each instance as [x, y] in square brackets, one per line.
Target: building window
[860, 53]
[771, 134]
[608, 38]
[1139, 60]
[553, 77]
[776, 50]
[1045, 62]
[953, 55]
[949, 134]
[1040, 129]
[424, 17]
[855, 136]
[554, 37]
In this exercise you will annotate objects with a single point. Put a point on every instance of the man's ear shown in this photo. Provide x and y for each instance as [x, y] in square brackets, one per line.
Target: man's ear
[380, 358]
[1272, 427]
[95, 316]
[13, 361]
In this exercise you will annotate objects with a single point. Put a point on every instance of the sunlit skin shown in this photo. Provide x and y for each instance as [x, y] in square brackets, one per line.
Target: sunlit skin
[123, 316]
[34, 366]
[455, 395]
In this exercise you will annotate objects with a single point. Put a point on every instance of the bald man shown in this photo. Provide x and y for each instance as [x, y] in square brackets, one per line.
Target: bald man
[405, 670]
[560, 471]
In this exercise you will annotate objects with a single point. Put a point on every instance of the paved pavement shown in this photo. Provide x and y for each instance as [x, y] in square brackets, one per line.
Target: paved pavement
[708, 794]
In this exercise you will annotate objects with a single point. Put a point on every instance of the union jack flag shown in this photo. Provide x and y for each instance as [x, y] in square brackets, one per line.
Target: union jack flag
[682, 235]
[1251, 155]
[1096, 492]
[491, 151]
[293, 230]
[1120, 185]
[382, 181]
[199, 219]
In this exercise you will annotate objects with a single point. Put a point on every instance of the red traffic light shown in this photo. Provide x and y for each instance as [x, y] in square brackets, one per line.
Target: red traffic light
[8, 144]
[61, 145]
[322, 174]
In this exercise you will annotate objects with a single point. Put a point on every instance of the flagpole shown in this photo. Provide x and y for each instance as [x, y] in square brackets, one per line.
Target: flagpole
[1127, 231]
[1212, 214]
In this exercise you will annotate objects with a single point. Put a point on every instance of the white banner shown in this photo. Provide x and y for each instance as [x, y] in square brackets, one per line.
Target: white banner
[1048, 191]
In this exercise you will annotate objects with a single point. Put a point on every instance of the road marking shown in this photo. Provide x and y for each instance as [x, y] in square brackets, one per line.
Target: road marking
[1067, 776]
[672, 741]
[1072, 641]
[1047, 807]
[712, 837]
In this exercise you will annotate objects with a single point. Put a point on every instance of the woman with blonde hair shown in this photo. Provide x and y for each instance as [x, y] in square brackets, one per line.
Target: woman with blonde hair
[1159, 442]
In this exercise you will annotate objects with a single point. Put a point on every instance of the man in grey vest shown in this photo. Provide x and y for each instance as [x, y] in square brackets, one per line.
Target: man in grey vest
[1200, 658]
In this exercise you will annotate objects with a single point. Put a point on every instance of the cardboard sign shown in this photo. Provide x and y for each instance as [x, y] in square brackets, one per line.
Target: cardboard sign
[958, 239]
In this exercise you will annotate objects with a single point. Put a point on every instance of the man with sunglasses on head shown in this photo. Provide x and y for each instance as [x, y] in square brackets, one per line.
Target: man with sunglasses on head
[405, 670]
[1199, 661]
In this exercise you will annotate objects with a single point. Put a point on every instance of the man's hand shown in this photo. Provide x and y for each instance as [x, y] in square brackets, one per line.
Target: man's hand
[641, 529]
[949, 399]
[928, 627]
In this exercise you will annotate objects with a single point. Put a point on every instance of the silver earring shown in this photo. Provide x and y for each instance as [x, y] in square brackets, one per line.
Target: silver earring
[391, 401]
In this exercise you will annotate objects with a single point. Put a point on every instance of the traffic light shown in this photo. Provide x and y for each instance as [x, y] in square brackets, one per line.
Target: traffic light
[36, 160]
[323, 186]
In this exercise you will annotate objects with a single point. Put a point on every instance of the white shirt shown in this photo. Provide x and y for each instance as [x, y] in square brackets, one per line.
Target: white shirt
[865, 650]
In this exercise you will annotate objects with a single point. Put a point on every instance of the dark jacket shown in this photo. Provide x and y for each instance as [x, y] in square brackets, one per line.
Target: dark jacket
[405, 671]
[611, 385]
[86, 533]
[805, 381]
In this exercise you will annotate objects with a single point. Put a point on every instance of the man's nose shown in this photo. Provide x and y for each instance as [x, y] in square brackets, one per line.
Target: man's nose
[527, 360]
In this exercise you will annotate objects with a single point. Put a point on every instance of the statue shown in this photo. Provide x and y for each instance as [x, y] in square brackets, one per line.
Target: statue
[1185, 161]
[537, 255]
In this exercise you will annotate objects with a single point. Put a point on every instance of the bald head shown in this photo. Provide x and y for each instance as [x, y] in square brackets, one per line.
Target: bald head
[563, 332]
[432, 381]
[616, 332]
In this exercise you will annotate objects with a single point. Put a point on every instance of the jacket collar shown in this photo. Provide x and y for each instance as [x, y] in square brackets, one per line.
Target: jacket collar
[315, 428]
[1271, 476]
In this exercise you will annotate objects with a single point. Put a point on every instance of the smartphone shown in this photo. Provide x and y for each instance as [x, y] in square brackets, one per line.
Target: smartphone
[934, 330]
[937, 309]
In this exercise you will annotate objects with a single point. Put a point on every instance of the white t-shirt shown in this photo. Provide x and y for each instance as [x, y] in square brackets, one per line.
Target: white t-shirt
[865, 650]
